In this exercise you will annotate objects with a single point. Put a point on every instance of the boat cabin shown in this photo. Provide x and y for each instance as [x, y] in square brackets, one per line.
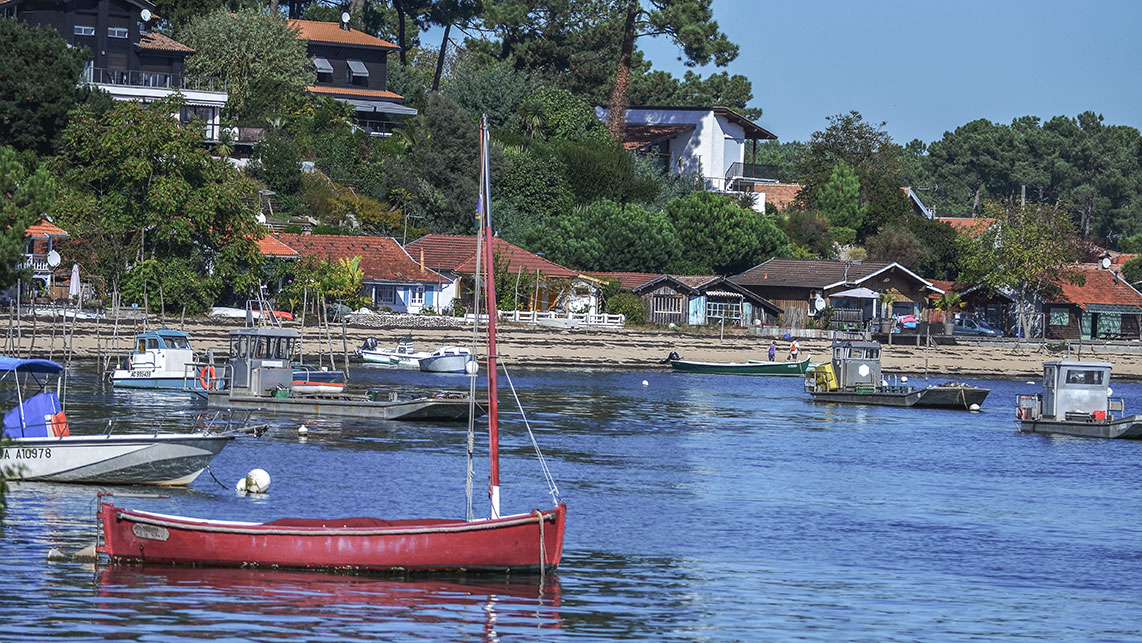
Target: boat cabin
[1075, 388]
[856, 365]
[163, 350]
[260, 359]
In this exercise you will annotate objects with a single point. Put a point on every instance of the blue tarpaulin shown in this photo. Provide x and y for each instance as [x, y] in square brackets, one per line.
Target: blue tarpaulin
[36, 417]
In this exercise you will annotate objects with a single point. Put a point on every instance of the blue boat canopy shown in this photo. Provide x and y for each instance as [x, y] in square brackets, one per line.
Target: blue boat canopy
[28, 365]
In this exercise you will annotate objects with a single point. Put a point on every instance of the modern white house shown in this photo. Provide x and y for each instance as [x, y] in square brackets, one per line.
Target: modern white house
[128, 60]
[713, 143]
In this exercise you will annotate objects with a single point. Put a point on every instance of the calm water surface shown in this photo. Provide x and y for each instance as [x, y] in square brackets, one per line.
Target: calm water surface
[700, 507]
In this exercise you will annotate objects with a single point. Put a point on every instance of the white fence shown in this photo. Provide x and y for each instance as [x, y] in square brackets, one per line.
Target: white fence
[563, 320]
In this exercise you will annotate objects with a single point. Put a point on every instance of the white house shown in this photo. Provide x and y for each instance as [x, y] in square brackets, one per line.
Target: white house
[709, 142]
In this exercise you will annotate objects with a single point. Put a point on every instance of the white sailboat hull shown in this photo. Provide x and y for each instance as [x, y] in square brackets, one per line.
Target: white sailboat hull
[169, 460]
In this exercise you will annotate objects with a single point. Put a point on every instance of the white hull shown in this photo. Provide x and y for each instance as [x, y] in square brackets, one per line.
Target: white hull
[168, 460]
[389, 357]
[448, 360]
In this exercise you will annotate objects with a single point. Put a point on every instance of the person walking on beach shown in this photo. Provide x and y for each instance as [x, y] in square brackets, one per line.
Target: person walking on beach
[772, 349]
[794, 350]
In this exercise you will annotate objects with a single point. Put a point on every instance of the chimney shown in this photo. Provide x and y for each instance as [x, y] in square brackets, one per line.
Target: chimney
[422, 261]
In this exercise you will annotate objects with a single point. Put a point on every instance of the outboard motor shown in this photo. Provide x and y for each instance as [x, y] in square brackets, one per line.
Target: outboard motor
[672, 357]
[370, 344]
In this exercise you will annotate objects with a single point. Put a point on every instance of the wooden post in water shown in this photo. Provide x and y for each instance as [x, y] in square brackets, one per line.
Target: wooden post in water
[115, 328]
[19, 338]
[345, 343]
[32, 345]
[301, 333]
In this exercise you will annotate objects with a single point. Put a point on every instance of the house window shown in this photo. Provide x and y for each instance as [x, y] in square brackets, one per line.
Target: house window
[1060, 316]
[84, 30]
[901, 308]
[386, 294]
[719, 310]
[668, 304]
[1109, 325]
[416, 295]
[116, 32]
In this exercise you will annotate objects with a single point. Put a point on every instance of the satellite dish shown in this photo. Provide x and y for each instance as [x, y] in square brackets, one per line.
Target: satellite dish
[1105, 263]
[145, 14]
[345, 16]
[261, 218]
[819, 304]
[53, 259]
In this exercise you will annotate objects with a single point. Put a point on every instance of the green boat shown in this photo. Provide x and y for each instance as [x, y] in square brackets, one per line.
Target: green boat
[752, 367]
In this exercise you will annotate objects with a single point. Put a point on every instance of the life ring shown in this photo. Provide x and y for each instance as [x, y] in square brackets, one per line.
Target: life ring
[207, 377]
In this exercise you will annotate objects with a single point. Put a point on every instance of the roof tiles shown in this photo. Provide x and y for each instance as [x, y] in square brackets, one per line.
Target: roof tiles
[1100, 287]
[158, 42]
[457, 253]
[382, 258]
[331, 32]
[44, 229]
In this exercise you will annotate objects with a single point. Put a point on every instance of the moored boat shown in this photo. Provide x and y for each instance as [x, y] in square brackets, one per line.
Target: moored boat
[259, 376]
[1077, 400]
[752, 367]
[854, 377]
[450, 359]
[403, 355]
[40, 445]
[521, 543]
[162, 358]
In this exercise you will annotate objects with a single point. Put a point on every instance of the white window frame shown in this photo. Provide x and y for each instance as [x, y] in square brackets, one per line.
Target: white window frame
[84, 30]
[118, 32]
[416, 296]
[387, 295]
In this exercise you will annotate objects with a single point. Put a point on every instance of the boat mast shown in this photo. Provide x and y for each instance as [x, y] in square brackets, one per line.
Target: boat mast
[490, 293]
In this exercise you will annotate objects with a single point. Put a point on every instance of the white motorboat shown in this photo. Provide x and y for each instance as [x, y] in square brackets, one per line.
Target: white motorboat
[39, 445]
[162, 359]
[403, 355]
[450, 359]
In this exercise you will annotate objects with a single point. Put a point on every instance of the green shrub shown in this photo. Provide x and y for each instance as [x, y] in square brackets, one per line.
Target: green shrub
[628, 304]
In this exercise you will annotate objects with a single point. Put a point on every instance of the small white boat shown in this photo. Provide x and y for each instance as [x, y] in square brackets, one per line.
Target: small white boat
[162, 359]
[401, 356]
[40, 445]
[450, 359]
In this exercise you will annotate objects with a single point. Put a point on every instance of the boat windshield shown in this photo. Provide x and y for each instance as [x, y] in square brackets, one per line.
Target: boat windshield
[1083, 376]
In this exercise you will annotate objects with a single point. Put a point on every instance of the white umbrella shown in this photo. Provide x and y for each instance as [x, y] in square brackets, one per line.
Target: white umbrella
[73, 289]
[857, 293]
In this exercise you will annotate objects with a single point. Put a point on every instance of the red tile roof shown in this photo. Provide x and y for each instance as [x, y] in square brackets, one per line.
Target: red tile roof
[1101, 287]
[331, 32]
[158, 42]
[272, 247]
[347, 91]
[628, 280]
[44, 229]
[382, 258]
[1122, 258]
[457, 253]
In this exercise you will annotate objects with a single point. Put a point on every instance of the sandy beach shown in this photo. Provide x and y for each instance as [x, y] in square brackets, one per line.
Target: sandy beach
[524, 345]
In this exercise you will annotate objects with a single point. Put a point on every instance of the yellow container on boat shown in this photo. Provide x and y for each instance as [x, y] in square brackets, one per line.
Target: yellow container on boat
[824, 379]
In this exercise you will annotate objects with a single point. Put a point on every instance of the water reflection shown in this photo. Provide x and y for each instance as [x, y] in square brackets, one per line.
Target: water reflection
[174, 601]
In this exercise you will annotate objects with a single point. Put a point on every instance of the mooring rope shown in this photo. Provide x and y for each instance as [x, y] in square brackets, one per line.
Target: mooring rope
[551, 487]
[215, 477]
[542, 546]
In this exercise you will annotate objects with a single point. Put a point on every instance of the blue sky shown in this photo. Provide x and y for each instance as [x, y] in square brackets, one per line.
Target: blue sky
[927, 67]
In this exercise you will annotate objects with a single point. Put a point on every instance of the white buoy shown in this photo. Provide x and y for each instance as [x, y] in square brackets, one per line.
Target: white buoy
[645, 383]
[471, 367]
[257, 481]
[1030, 382]
[241, 487]
[671, 326]
[1109, 391]
[302, 430]
[974, 408]
[904, 379]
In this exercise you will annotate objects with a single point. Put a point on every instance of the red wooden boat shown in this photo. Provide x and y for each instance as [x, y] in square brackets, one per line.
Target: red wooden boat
[529, 542]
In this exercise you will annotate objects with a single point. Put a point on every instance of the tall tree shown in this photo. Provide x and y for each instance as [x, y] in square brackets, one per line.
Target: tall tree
[25, 195]
[141, 189]
[260, 57]
[689, 23]
[1029, 251]
[839, 201]
[39, 74]
[720, 236]
[865, 147]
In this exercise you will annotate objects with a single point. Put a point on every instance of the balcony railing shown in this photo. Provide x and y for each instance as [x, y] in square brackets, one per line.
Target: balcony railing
[37, 262]
[754, 171]
[138, 78]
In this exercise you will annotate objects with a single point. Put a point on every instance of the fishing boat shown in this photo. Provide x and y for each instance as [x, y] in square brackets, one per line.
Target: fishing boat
[520, 543]
[450, 359]
[1077, 400]
[165, 359]
[752, 367]
[39, 444]
[403, 355]
[854, 377]
[258, 376]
